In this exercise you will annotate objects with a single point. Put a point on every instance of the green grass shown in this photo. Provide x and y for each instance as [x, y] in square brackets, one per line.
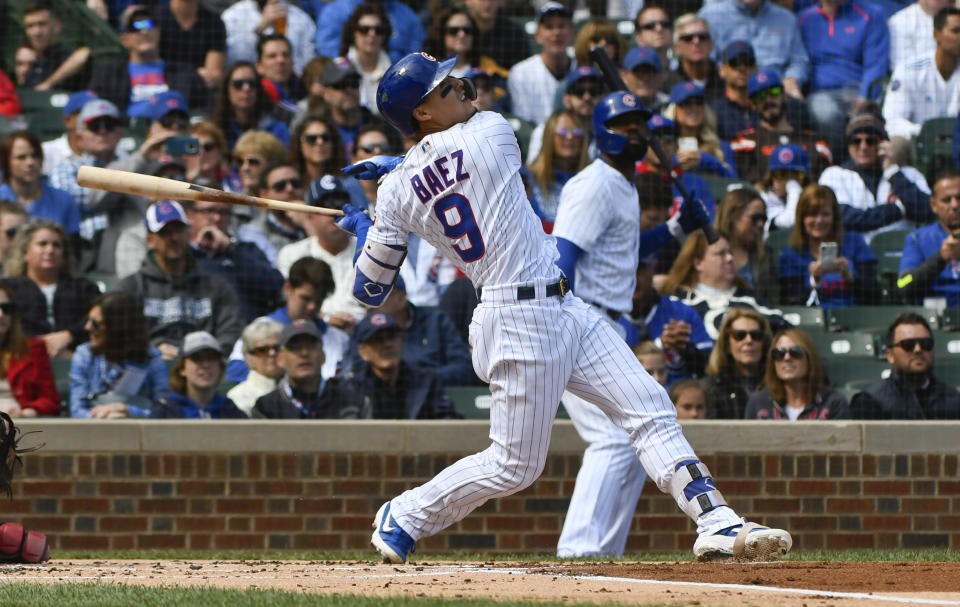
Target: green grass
[932, 555]
[92, 594]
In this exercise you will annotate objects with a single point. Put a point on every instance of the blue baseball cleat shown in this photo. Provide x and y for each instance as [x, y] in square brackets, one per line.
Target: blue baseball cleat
[393, 542]
[745, 542]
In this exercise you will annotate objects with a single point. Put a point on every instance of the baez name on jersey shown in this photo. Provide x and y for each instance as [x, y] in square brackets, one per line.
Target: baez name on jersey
[432, 184]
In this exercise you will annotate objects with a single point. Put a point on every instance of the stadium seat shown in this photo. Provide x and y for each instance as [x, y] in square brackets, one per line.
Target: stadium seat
[844, 370]
[874, 318]
[808, 318]
[934, 146]
[61, 378]
[523, 129]
[844, 345]
[719, 186]
[888, 248]
[950, 319]
[947, 346]
[472, 402]
[43, 111]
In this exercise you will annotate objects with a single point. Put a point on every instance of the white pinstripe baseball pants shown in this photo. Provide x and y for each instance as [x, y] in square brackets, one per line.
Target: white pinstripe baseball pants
[530, 352]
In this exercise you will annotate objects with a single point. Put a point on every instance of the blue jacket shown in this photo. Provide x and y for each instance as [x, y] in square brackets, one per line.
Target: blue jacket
[177, 406]
[431, 341]
[851, 48]
[91, 376]
[54, 204]
[928, 273]
[772, 31]
[408, 33]
[833, 291]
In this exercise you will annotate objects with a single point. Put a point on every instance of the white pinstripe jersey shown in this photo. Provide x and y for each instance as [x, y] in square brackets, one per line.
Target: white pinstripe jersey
[600, 213]
[460, 190]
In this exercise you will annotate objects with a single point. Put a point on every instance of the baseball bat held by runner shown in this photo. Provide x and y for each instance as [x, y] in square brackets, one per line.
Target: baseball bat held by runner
[162, 188]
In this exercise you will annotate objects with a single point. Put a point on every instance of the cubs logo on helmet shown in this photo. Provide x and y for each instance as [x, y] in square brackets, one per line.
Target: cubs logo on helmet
[611, 106]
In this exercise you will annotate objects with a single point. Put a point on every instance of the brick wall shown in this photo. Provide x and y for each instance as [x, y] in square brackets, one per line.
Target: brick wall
[226, 499]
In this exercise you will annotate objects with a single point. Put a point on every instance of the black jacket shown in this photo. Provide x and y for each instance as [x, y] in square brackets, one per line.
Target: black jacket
[729, 394]
[278, 405]
[828, 404]
[71, 303]
[423, 398]
[111, 80]
[892, 398]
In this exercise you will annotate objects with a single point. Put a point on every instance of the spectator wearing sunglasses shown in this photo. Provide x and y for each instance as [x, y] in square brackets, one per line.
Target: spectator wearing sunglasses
[778, 121]
[584, 88]
[259, 344]
[210, 166]
[329, 243]
[652, 27]
[66, 147]
[12, 218]
[692, 47]
[773, 31]
[602, 33]
[21, 159]
[563, 155]
[930, 266]
[871, 179]
[243, 105]
[737, 362]
[741, 217]
[795, 383]
[317, 149]
[130, 84]
[782, 185]
[734, 112]
[407, 33]
[364, 42]
[252, 153]
[28, 389]
[911, 391]
[372, 140]
[643, 74]
[341, 90]
[808, 279]
[247, 20]
[273, 229]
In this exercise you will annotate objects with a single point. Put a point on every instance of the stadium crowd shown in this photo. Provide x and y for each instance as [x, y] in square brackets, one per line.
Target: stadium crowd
[813, 134]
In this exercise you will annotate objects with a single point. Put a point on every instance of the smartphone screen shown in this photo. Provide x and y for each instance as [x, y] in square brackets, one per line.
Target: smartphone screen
[687, 144]
[828, 253]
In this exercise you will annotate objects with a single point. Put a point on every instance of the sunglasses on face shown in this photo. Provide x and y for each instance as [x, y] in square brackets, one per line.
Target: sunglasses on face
[96, 325]
[11, 232]
[104, 124]
[375, 148]
[141, 25]
[601, 40]
[251, 160]
[794, 352]
[652, 25]
[312, 139]
[579, 90]
[7, 308]
[692, 102]
[745, 61]
[332, 202]
[740, 335]
[208, 146]
[645, 71]
[773, 91]
[453, 30]
[349, 83]
[283, 184]
[371, 29]
[910, 344]
[858, 141]
[242, 83]
[265, 350]
[568, 133]
[175, 122]
[698, 37]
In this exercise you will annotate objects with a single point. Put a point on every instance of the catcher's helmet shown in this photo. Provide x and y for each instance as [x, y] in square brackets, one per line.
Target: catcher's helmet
[405, 85]
[611, 106]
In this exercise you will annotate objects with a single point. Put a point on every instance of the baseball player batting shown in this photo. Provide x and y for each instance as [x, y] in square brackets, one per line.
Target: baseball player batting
[459, 189]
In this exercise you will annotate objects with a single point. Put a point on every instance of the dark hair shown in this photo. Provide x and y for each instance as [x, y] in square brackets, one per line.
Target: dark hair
[940, 19]
[223, 112]
[39, 5]
[314, 272]
[907, 318]
[336, 162]
[14, 343]
[647, 6]
[379, 127]
[178, 383]
[654, 191]
[264, 174]
[729, 211]
[434, 44]
[688, 384]
[12, 207]
[6, 149]
[367, 8]
[721, 359]
[947, 173]
[817, 378]
[263, 40]
[124, 327]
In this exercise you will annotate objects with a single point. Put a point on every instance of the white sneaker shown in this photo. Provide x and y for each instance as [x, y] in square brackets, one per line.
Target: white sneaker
[745, 542]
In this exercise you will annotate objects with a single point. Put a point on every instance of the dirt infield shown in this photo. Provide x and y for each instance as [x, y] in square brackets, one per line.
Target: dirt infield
[791, 583]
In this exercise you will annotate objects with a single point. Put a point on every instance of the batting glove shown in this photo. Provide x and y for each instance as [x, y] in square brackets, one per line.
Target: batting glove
[373, 168]
[691, 217]
[357, 223]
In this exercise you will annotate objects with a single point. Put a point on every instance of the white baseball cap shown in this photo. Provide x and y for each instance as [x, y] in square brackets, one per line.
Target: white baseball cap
[161, 213]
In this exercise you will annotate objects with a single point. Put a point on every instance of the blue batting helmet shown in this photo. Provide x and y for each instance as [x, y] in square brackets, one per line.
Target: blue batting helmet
[406, 83]
[611, 106]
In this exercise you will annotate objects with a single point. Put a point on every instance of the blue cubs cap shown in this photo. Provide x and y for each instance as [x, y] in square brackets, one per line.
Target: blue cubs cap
[159, 214]
[579, 73]
[162, 104]
[642, 55]
[373, 324]
[763, 79]
[551, 7]
[790, 157]
[327, 191]
[682, 91]
[77, 101]
[737, 48]
[660, 123]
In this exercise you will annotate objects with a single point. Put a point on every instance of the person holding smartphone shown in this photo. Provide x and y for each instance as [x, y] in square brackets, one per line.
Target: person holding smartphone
[824, 264]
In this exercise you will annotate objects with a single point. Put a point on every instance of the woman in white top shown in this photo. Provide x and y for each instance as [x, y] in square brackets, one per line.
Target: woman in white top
[363, 42]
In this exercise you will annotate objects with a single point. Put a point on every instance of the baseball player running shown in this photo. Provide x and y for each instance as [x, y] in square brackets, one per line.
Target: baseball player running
[459, 189]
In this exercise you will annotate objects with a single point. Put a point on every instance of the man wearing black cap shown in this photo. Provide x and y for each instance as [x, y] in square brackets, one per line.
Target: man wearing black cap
[535, 81]
[329, 243]
[584, 88]
[301, 393]
[341, 91]
[383, 386]
[734, 112]
[890, 197]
